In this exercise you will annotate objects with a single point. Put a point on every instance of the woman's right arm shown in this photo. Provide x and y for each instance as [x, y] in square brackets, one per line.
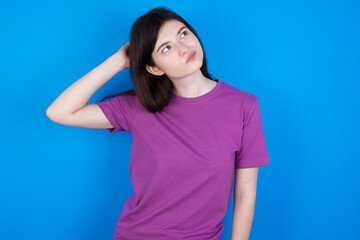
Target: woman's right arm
[71, 108]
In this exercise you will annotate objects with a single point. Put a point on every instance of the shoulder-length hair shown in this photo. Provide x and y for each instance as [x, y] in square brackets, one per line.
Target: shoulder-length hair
[154, 92]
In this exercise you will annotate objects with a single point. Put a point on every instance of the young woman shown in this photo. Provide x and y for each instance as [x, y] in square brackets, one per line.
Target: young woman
[191, 134]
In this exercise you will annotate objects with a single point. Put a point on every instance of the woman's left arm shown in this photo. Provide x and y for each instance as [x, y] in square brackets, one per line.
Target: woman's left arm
[244, 202]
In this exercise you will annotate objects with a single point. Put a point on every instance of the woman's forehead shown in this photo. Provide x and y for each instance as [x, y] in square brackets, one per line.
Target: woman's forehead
[169, 28]
[167, 31]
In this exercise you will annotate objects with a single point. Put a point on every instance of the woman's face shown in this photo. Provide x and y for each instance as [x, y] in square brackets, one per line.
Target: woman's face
[173, 47]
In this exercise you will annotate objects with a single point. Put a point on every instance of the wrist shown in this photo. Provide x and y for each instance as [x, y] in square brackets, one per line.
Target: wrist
[117, 62]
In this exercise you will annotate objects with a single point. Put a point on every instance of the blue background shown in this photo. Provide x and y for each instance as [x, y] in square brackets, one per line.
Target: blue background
[300, 58]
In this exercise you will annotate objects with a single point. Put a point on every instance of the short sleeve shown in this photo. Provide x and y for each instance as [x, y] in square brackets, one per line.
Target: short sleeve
[253, 152]
[119, 111]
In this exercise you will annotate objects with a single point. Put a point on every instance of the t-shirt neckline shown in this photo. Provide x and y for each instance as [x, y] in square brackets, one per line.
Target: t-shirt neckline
[200, 98]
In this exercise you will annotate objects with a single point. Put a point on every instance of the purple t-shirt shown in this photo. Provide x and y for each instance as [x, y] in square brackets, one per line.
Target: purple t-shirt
[183, 161]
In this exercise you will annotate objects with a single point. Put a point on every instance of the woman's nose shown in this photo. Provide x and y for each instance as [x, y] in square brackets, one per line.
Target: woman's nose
[183, 49]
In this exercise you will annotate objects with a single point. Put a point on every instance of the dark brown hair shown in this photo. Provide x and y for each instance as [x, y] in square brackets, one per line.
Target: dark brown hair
[154, 92]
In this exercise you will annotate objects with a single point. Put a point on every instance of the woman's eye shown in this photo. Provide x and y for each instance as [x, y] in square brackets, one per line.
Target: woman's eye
[165, 48]
[184, 32]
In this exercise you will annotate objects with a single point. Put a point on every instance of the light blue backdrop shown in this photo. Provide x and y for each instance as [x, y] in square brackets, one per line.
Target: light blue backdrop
[301, 59]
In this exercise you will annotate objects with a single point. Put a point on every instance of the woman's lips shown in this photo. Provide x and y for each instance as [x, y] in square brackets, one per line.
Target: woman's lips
[191, 57]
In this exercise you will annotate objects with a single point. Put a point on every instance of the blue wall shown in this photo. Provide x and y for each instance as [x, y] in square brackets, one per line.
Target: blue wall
[301, 59]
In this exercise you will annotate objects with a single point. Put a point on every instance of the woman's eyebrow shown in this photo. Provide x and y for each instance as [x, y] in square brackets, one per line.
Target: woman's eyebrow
[168, 41]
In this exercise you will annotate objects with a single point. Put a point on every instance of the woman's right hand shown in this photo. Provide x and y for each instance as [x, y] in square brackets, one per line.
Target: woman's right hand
[123, 54]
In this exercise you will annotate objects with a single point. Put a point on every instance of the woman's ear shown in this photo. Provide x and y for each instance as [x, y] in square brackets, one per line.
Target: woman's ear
[154, 70]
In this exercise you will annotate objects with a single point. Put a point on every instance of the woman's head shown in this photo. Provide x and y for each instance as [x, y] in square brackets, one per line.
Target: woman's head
[153, 64]
[174, 45]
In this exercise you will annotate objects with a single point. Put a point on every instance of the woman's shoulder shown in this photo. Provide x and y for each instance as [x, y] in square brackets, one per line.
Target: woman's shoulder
[237, 94]
[125, 103]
